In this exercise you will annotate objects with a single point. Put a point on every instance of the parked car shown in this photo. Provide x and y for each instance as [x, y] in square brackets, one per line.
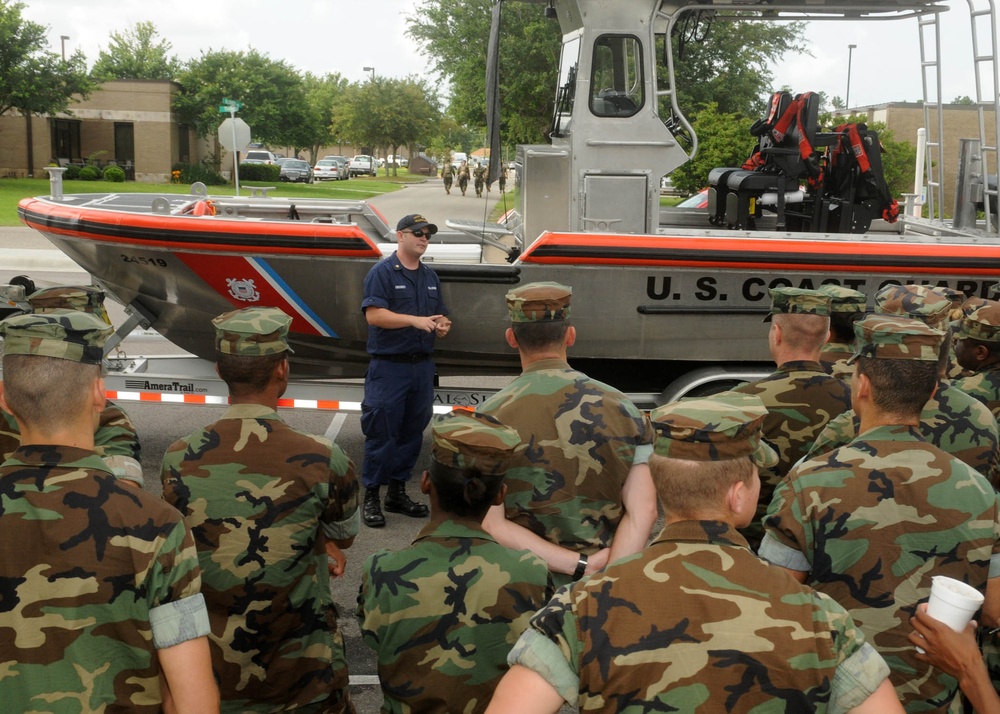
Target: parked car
[260, 156]
[399, 161]
[361, 165]
[296, 170]
[698, 200]
[330, 170]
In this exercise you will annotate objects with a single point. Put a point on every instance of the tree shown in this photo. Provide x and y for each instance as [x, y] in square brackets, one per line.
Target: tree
[838, 103]
[388, 113]
[32, 79]
[449, 30]
[136, 54]
[964, 99]
[322, 94]
[272, 93]
[728, 63]
[724, 140]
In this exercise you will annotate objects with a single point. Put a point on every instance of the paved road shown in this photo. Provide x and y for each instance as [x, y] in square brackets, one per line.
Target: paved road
[23, 250]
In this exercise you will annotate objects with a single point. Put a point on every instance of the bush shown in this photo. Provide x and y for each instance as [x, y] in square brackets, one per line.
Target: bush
[259, 172]
[89, 173]
[72, 173]
[189, 173]
[113, 173]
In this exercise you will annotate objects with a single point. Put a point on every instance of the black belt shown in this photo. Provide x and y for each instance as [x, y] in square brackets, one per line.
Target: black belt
[405, 359]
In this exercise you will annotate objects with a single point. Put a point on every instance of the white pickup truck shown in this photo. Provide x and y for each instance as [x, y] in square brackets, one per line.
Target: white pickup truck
[361, 165]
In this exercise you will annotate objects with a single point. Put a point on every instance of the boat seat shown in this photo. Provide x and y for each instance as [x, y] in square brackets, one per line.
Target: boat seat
[855, 189]
[717, 179]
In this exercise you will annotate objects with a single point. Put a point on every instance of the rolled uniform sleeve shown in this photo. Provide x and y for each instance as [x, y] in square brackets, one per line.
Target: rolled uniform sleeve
[551, 646]
[341, 517]
[786, 529]
[177, 610]
[179, 621]
[856, 679]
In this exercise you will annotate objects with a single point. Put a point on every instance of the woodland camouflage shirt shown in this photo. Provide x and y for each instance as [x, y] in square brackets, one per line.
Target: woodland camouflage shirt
[94, 576]
[871, 522]
[260, 499]
[583, 438]
[698, 623]
[443, 613]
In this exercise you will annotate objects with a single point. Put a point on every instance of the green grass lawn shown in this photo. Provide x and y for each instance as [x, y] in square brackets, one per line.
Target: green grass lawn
[13, 190]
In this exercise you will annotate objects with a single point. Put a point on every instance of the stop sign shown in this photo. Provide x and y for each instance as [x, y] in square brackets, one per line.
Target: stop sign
[231, 128]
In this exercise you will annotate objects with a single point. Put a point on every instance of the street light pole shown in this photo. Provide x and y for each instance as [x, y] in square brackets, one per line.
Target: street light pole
[850, 55]
[62, 39]
[372, 70]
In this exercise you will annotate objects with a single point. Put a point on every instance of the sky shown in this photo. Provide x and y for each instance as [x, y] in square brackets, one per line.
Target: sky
[345, 36]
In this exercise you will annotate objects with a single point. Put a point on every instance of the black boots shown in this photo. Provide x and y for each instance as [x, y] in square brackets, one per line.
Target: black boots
[396, 501]
[372, 509]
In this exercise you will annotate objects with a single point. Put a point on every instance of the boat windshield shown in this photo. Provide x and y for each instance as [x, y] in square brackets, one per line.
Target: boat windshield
[569, 61]
[616, 79]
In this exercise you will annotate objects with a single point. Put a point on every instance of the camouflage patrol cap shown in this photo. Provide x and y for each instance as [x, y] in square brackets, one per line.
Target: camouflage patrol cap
[957, 297]
[65, 334]
[798, 301]
[539, 302]
[844, 301]
[981, 324]
[921, 302]
[70, 297]
[252, 332]
[972, 304]
[894, 337]
[716, 428]
[464, 439]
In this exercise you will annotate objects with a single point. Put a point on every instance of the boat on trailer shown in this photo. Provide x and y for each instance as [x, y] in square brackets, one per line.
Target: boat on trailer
[667, 300]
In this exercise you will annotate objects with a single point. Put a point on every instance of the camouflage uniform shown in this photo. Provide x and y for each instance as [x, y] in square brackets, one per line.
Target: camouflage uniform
[983, 325]
[872, 521]
[696, 622]
[463, 177]
[116, 438]
[261, 498]
[442, 614]
[583, 438]
[800, 398]
[843, 302]
[479, 174]
[951, 420]
[447, 175]
[96, 576]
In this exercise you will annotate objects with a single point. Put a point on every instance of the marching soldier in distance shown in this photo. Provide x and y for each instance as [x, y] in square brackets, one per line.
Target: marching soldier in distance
[463, 177]
[447, 175]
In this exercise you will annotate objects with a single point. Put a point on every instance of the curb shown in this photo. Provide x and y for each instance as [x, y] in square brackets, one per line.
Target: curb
[19, 260]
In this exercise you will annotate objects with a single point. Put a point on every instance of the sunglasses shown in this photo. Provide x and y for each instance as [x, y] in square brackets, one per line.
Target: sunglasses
[421, 233]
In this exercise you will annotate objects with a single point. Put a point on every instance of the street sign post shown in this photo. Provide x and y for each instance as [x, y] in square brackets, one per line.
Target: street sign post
[231, 130]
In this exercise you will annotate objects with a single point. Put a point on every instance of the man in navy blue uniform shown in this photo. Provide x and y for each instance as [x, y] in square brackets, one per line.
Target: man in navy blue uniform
[405, 313]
